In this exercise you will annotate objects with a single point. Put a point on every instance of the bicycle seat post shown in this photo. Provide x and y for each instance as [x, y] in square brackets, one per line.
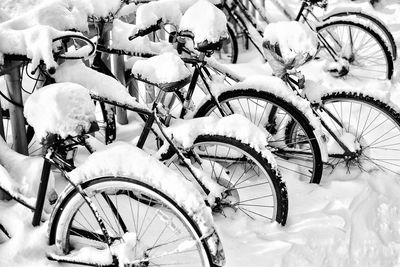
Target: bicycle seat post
[13, 81]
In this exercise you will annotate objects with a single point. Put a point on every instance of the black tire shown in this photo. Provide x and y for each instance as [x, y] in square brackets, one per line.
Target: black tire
[74, 223]
[364, 61]
[307, 163]
[385, 33]
[254, 187]
[229, 50]
[374, 125]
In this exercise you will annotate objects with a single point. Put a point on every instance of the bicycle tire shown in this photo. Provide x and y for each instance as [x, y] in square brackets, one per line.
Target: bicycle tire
[313, 171]
[238, 23]
[385, 33]
[382, 69]
[232, 53]
[66, 227]
[257, 190]
[367, 120]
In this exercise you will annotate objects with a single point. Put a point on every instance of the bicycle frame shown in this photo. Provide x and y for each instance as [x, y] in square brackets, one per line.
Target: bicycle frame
[302, 16]
[54, 159]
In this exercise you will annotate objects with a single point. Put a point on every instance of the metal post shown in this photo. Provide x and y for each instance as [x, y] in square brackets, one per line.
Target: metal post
[116, 65]
[13, 81]
[2, 124]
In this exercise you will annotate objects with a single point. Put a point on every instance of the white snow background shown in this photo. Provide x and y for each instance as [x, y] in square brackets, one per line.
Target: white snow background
[347, 220]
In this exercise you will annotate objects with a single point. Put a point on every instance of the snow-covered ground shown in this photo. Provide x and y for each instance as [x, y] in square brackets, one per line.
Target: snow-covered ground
[347, 220]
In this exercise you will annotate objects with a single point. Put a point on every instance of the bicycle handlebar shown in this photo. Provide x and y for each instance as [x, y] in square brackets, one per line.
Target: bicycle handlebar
[76, 55]
[146, 31]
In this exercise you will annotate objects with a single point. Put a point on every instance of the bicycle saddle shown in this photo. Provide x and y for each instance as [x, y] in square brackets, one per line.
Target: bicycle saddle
[206, 25]
[288, 45]
[166, 71]
[60, 109]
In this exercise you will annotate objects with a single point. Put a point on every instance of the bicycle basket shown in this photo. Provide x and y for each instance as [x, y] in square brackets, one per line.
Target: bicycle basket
[288, 45]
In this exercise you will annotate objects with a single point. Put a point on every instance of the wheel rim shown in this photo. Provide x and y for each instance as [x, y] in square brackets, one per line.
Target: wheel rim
[377, 135]
[357, 47]
[248, 186]
[295, 154]
[158, 228]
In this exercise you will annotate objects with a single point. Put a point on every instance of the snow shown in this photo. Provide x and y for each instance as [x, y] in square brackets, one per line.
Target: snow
[295, 41]
[120, 33]
[205, 21]
[349, 220]
[276, 86]
[75, 71]
[149, 14]
[185, 132]
[123, 159]
[65, 109]
[165, 68]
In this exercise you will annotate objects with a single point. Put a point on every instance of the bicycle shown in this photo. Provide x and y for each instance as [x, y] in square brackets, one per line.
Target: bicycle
[349, 37]
[115, 206]
[223, 100]
[260, 166]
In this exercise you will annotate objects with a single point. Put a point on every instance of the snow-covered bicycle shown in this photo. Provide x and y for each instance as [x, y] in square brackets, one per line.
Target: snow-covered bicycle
[361, 43]
[119, 208]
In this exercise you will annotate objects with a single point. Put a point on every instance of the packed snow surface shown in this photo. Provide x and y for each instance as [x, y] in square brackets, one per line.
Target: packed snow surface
[65, 109]
[165, 68]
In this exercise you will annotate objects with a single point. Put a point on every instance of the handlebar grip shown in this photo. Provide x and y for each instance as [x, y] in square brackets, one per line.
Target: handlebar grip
[146, 31]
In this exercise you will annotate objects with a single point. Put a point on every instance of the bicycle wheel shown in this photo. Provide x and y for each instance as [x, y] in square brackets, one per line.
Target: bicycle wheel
[370, 127]
[379, 26]
[360, 46]
[229, 51]
[160, 233]
[253, 187]
[296, 149]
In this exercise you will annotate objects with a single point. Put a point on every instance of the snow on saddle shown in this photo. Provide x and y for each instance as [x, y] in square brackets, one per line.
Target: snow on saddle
[166, 71]
[206, 25]
[61, 110]
[288, 45]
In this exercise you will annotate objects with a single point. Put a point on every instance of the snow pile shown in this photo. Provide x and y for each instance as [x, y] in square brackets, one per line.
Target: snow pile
[121, 32]
[20, 175]
[168, 11]
[75, 71]
[205, 21]
[165, 68]
[62, 108]
[149, 14]
[123, 159]
[32, 33]
[288, 44]
[185, 132]
[28, 244]
[34, 42]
